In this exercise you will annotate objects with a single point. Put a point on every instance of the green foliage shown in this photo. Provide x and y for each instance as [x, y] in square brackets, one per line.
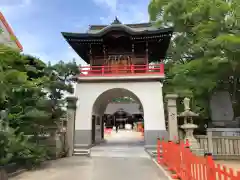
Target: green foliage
[16, 148]
[205, 47]
[32, 98]
[60, 77]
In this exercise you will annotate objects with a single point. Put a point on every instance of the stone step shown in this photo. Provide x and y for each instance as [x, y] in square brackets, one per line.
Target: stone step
[82, 152]
[154, 153]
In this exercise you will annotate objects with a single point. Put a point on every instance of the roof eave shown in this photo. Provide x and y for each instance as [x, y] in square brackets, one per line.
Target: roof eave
[104, 31]
[135, 25]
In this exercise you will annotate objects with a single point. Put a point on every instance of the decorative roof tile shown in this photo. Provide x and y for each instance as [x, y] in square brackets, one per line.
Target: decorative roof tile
[116, 21]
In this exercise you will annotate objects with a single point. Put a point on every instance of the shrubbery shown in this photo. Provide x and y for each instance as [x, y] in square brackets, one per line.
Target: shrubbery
[31, 97]
[16, 148]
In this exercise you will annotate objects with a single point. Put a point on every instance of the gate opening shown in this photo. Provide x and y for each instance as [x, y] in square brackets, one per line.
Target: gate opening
[118, 117]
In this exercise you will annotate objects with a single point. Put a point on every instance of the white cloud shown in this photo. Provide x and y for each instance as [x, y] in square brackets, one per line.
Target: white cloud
[110, 4]
[7, 6]
[31, 47]
[40, 49]
[15, 9]
[33, 42]
[15, 2]
[70, 54]
[126, 12]
[81, 24]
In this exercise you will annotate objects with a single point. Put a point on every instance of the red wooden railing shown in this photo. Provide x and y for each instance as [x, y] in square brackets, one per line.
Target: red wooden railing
[187, 166]
[122, 70]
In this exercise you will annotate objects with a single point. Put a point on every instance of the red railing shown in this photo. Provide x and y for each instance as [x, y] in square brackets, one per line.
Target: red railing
[187, 166]
[122, 70]
[107, 131]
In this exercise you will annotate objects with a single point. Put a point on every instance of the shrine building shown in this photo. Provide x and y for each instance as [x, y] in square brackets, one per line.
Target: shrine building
[125, 60]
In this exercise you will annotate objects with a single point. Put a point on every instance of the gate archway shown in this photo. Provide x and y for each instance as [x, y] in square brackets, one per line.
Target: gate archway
[93, 99]
[100, 105]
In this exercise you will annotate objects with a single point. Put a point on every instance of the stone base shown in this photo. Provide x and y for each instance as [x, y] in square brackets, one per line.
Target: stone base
[193, 143]
[83, 138]
[150, 137]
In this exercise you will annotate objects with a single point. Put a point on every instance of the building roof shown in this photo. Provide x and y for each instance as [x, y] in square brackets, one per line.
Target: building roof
[93, 29]
[10, 31]
[116, 27]
[97, 31]
[136, 32]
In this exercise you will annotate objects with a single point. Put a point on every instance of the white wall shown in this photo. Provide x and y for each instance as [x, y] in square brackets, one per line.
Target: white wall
[5, 37]
[149, 93]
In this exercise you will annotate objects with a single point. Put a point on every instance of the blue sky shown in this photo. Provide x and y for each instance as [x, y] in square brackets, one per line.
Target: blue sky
[38, 23]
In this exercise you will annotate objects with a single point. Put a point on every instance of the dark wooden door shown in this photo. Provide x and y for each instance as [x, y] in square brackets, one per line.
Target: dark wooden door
[102, 127]
[93, 128]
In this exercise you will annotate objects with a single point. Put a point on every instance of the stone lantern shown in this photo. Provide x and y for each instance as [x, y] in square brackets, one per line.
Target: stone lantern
[189, 126]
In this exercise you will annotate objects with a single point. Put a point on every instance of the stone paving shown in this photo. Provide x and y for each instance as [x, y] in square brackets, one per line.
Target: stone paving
[122, 157]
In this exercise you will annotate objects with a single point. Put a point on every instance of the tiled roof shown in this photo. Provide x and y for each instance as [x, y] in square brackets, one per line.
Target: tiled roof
[134, 27]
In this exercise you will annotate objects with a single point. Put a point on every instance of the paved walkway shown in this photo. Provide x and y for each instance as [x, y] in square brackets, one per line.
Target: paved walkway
[121, 158]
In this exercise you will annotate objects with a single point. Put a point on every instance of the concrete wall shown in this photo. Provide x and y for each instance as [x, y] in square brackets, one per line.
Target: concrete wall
[148, 93]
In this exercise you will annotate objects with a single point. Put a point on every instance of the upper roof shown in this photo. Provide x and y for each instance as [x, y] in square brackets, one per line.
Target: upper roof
[117, 23]
[80, 42]
[10, 31]
[98, 31]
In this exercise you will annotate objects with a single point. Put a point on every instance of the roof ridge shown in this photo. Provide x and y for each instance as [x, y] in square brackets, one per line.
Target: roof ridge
[146, 24]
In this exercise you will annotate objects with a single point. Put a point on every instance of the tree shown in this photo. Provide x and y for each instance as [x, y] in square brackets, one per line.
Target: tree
[19, 94]
[32, 98]
[205, 47]
[61, 76]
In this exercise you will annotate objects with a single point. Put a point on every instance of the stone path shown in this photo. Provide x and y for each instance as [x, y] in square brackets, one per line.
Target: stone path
[121, 158]
[121, 144]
